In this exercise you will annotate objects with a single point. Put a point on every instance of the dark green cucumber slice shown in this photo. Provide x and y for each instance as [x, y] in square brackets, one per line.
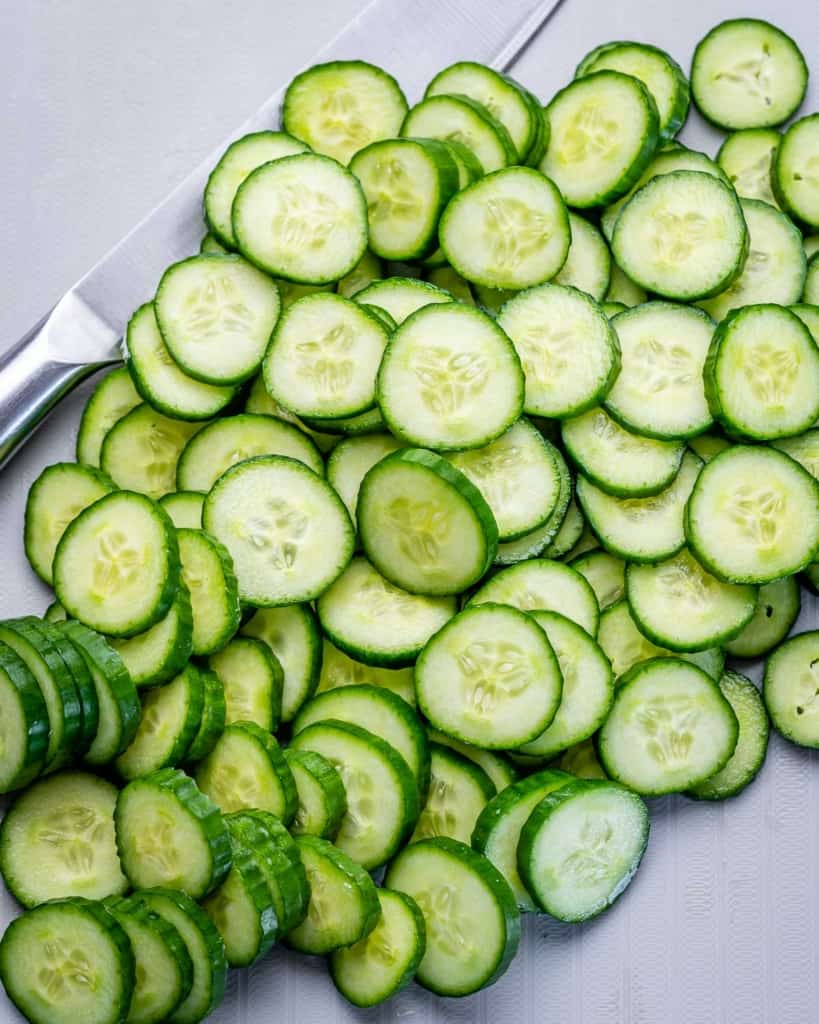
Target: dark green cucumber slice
[24, 722]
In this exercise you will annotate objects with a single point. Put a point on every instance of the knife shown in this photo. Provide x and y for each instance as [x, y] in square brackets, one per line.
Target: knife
[81, 335]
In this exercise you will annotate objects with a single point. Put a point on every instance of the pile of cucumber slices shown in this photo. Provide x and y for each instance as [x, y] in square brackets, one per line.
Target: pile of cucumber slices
[402, 558]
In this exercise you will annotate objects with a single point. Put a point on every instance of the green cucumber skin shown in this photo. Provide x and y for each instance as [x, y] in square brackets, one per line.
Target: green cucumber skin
[212, 723]
[233, 608]
[81, 675]
[35, 715]
[331, 785]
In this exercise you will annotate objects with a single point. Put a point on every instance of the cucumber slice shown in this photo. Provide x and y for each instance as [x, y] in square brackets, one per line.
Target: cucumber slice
[669, 728]
[605, 574]
[207, 571]
[382, 794]
[368, 269]
[171, 716]
[402, 296]
[581, 761]
[24, 722]
[604, 130]
[184, 508]
[292, 635]
[258, 401]
[170, 834]
[623, 290]
[113, 397]
[746, 73]
[68, 961]
[377, 967]
[83, 682]
[752, 745]
[458, 791]
[790, 688]
[793, 179]
[164, 969]
[588, 265]
[252, 682]
[339, 107]
[57, 840]
[239, 159]
[56, 497]
[458, 287]
[369, 422]
[747, 158]
[450, 379]
[568, 349]
[344, 905]
[458, 118]
[803, 449]
[706, 446]
[496, 766]
[570, 534]
[811, 293]
[286, 530]
[768, 506]
[303, 218]
[472, 922]
[351, 459]
[54, 613]
[581, 847]
[777, 609]
[489, 677]
[247, 769]
[337, 669]
[212, 721]
[543, 585]
[322, 799]
[210, 244]
[161, 652]
[374, 622]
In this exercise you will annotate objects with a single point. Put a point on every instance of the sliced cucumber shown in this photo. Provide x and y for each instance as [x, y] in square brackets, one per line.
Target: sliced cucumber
[458, 118]
[458, 791]
[292, 634]
[252, 680]
[777, 609]
[793, 177]
[497, 767]
[588, 265]
[24, 722]
[322, 799]
[112, 398]
[803, 449]
[605, 574]
[337, 669]
[184, 508]
[212, 720]
[351, 459]
[790, 688]
[365, 272]
[402, 296]
[157, 655]
[211, 244]
[81, 674]
[706, 446]
[569, 535]
[208, 574]
[747, 158]
[623, 290]
[581, 761]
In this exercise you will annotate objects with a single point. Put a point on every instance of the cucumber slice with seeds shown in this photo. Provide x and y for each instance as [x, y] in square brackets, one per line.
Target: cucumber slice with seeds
[184, 508]
[588, 264]
[793, 178]
[157, 655]
[208, 574]
[24, 722]
[790, 688]
[458, 791]
[322, 799]
[747, 158]
[777, 609]
[605, 573]
[112, 398]
[458, 118]
[212, 721]
[292, 635]
[337, 669]
[252, 680]
[497, 767]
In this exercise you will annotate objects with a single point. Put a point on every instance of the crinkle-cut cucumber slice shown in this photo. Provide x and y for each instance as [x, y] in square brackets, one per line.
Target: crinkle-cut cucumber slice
[252, 680]
[207, 572]
[794, 177]
[617, 460]
[57, 497]
[752, 745]
[753, 515]
[472, 922]
[368, 270]
[458, 118]
[292, 634]
[762, 373]
[543, 585]
[489, 677]
[777, 608]
[212, 720]
[159, 379]
[747, 73]
[141, 450]
[285, 528]
[322, 799]
[790, 688]
[680, 605]
[239, 159]
[324, 356]
[669, 728]
[682, 235]
[382, 793]
[157, 655]
[337, 669]
[588, 264]
[605, 573]
[111, 399]
[641, 529]
[458, 791]
[509, 229]
[747, 158]
[184, 508]
[450, 379]
[581, 761]
[351, 459]
[24, 722]
[567, 346]
[402, 296]
[581, 846]
[339, 107]
[604, 130]
[302, 218]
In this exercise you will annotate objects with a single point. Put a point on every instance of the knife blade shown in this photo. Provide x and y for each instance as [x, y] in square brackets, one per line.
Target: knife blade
[83, 331]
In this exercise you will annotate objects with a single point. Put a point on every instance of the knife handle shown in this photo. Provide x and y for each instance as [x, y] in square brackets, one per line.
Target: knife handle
[31, 384]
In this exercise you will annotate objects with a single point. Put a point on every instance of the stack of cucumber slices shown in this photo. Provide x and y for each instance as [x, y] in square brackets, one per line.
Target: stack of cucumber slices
[411, 540]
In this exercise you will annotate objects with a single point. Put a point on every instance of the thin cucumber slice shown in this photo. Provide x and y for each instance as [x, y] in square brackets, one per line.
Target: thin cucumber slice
[752, 745]
[382, 794]
[533, 544]
[679, 605]
[252, 681]
[212, 720]
[57, 497]
[402, 296]
[368, 269]
[24, 722]
[586, 542]
[171, 715]
[811, 245]
[339, 107]
[246, 769]
[604, 130]
[207, 571]
[163, 384]
[497, 767]
[469, 166]
[641, 529]
[337, 670]
[170, 834]
[303, 218]
[510, 229]
[112, 398]
[68, 961]
[184, 508]
[286, 530]
[588, 264]
[324, 356]
[375, 622]
[489, 677]
[157, 655]
[83, 682]
[746, 73]
[543, 585]
[351, 459]
[211, 244]
[292, 635]
[568, 349]
[582, 846]
[790, 688]
[497, 830]
[492, 300]
[292, 291]
[623, 290]
[605, 573]
[458, 118]
[747, 158]
[793, 179]
[458, 287]
[322, 799]
[458, 791]
[344, 905]
[204, 946]
[239, 159]
[669, 729]
[777, 609]
[767, 506]
[803, 449]
[379, 966]
[258, 401]
[450, 379]
[581, 761]
[369, 422]
[472, 922]
[569, 535]
[706, 446]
